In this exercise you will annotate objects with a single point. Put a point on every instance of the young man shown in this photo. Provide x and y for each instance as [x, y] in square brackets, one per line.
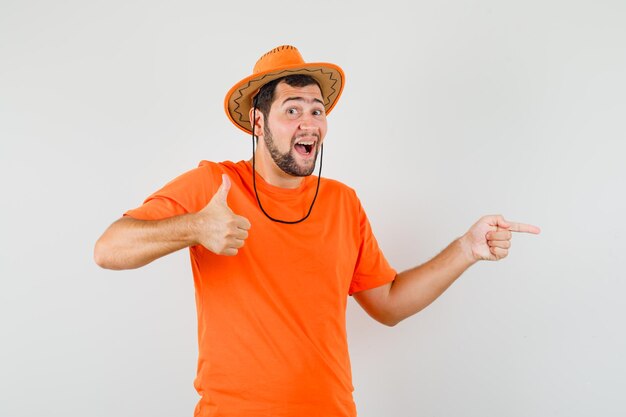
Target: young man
[276, 252]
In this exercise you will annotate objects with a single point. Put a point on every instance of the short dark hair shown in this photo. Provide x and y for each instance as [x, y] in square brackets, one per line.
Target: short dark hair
[265, 97]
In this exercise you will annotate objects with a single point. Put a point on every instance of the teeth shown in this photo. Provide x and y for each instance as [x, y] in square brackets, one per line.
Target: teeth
[306, 143]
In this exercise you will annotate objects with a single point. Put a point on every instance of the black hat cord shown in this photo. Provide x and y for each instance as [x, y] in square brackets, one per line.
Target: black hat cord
[319, 176]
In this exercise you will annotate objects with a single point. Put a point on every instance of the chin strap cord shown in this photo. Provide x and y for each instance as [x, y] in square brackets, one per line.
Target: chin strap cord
[319, 176]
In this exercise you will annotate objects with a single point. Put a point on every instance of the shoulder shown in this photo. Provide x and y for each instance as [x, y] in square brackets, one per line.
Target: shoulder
[343, 196]
[224, 167]
[212, 168]
[201, 181]
[338, 187]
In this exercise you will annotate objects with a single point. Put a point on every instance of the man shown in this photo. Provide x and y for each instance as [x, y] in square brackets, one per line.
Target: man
[275, 253]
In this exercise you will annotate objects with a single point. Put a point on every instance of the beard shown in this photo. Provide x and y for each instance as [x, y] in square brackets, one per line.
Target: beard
[287, 161]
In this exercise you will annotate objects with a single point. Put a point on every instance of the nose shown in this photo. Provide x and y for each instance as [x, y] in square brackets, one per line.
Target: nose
[310, 124]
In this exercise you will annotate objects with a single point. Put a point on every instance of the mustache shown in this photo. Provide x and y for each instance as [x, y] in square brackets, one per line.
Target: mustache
[302, 135]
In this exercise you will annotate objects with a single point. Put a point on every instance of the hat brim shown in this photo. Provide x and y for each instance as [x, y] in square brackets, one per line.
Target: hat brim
[238, 101]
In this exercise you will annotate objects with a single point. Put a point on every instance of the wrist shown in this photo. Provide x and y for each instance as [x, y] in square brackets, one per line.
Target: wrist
[465, 247]
[193, 224]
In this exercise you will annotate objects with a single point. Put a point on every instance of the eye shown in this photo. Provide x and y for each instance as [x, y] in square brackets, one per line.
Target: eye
[318, 112]
[292, 110]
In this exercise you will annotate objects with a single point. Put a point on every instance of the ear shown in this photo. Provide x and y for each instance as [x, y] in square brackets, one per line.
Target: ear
[258, 123]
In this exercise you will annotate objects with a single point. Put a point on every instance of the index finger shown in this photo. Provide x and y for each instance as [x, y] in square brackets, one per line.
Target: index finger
[524, 228]
[243, 223]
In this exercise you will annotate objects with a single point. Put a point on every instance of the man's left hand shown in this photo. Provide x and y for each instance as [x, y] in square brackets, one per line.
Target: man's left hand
[490, 237]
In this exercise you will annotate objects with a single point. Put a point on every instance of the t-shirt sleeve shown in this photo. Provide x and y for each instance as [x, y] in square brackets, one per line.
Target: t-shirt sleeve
[372, 269]
[187, 193]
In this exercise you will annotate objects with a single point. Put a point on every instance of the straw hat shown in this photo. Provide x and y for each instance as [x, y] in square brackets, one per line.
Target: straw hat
[279, 62]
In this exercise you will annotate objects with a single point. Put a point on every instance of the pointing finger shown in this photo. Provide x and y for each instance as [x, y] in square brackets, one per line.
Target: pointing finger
[524, 228]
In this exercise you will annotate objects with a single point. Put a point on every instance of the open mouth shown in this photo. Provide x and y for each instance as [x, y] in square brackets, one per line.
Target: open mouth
[304, 147]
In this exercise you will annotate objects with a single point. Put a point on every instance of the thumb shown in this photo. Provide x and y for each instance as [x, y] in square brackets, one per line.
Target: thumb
[501, 223]
[222, 193]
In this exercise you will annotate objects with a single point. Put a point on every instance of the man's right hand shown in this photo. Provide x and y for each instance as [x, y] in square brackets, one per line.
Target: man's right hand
[219, 229]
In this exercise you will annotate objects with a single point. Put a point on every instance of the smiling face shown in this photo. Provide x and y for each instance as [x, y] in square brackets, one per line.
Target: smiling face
[294, 129]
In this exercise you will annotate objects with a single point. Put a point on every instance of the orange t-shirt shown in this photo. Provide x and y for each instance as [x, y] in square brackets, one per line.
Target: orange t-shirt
[271, 320]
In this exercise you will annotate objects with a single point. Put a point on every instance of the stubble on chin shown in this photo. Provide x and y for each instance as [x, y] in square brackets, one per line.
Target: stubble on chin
[287, 162]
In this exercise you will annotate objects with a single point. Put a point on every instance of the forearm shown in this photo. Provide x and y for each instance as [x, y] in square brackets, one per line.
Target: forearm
[130, 243]
[416, 288]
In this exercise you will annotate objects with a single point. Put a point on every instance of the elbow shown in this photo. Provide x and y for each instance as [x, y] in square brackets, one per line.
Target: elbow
[102, 256]
[388, 319]
[390, 322]
[392, 318]
[113, 250]
[110, 254]
[392, 315]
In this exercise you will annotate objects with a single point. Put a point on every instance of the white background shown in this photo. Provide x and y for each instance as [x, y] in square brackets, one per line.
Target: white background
[452, 110]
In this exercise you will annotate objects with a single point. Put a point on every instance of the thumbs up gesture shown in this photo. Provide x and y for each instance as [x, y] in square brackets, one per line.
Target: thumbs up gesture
[219, 229]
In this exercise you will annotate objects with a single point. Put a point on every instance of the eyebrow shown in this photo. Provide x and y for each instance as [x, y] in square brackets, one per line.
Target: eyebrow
[303, 99]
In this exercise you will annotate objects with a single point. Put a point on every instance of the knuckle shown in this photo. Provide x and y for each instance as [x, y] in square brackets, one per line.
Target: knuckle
[244, 223]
